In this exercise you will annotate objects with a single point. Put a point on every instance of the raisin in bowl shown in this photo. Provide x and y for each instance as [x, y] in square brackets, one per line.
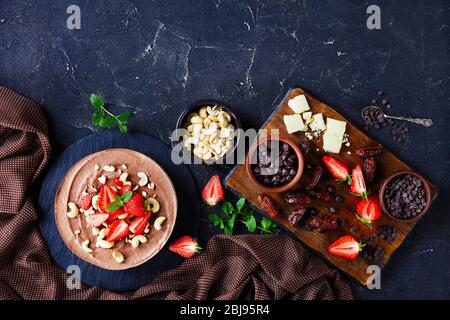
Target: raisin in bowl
[405, 196]
[274, 164]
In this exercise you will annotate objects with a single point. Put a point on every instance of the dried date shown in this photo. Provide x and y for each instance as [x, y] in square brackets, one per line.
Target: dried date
[369, 168]
[298, 198]
[268, 205]
[304, 144]
[324, 222]
[296, 215]
[314, 178]
[369, 151]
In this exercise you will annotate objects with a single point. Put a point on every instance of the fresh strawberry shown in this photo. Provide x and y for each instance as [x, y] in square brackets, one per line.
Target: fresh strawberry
[135, 206]
[113, 215]
[337, 169]
[118, 230]
[185, 246]
[85, 202]
[368, 210]
[97, 219]
[138, 224]
[124, 189]
[118, 182]
[107, 195]
[213, 191]
[358, 185]
[346, 247]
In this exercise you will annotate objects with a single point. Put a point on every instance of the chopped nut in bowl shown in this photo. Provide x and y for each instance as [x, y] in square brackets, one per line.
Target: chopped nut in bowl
[211, 130]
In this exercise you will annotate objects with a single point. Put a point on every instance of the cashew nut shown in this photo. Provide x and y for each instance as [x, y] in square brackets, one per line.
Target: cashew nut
[151, 186]
[144, 179]
[94, 201]
[158, 222]
[124, 166]
[123, 216]
[137, 240]
[102, 179]
[202, 112]
[102, 234]
[135, 188]
[73, 210]
[212, 111]
[109, 168]
[212, 129]
[85, 246]
[153, 203]
[123, 177]
[96, 167]
[197, 119]
[95, 231]
[105, 244]
[118, 256]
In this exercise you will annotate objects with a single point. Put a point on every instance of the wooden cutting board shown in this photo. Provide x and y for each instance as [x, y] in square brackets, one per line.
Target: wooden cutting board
[387, 162]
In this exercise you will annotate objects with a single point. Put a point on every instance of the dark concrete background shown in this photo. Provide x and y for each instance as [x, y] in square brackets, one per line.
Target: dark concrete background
[155, 57]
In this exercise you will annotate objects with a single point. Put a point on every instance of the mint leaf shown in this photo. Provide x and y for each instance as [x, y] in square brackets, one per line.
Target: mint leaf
[228, 230]
[124, 116]
[107, 122]
[113, 206]
[97, 117]
[123, 128]
[265, 223]
[96, 101]
[250, 223]
[227, 208]
[240, 204]
[215, 219]
[126, 197]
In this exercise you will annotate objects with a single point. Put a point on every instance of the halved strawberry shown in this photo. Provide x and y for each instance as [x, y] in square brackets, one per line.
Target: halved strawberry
[113, 215]
[138, 224]
[97, 219]
[124, 189]
[337, 169]
[346, 247]
[85, 201]
[107, 195]
[185, 246]
[135, 206]
[118, 230]
[368, 210]
[358, 185]
[213, 191]
[118, 182]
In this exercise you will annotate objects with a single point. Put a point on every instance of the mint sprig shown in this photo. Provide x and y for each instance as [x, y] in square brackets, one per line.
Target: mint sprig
[105, 119]
[119, 202]
[243, 214]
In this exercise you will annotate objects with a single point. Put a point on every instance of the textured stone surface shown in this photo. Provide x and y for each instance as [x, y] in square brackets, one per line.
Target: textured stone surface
[155, 57]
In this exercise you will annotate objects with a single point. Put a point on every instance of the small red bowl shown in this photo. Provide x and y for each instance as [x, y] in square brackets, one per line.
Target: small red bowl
[282, 188]
[386, 183]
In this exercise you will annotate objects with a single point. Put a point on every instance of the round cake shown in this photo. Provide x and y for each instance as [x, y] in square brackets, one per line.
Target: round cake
[116, 208]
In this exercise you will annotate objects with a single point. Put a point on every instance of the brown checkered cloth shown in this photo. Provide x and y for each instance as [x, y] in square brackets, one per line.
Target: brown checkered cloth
[244, 267]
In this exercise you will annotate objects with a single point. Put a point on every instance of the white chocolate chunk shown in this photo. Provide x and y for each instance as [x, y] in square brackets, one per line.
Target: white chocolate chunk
[317, 123]
[334, 135]
[298, 104]
[307, 116]
[294, 123]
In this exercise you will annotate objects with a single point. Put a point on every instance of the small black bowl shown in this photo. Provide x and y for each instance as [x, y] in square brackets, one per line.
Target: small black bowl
[195, 107]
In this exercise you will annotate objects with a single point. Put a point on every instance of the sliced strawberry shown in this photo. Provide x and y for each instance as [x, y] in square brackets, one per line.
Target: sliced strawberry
[358, 185]
[113, 215]
[118, 182]
[118, 230]
[97, 219]
[337, 169]
[107, 195]
[213, 191]
[138, 224]
[346, 247]
[124, 189]
[185, 246]
[85, 201]
[368, 210]
[135, 206]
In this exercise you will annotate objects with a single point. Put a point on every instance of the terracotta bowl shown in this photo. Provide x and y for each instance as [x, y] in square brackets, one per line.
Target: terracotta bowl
[282, 188]
[389, 179]
[72, 187]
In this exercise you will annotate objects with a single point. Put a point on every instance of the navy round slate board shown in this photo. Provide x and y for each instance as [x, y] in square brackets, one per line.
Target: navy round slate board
[187, 218]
